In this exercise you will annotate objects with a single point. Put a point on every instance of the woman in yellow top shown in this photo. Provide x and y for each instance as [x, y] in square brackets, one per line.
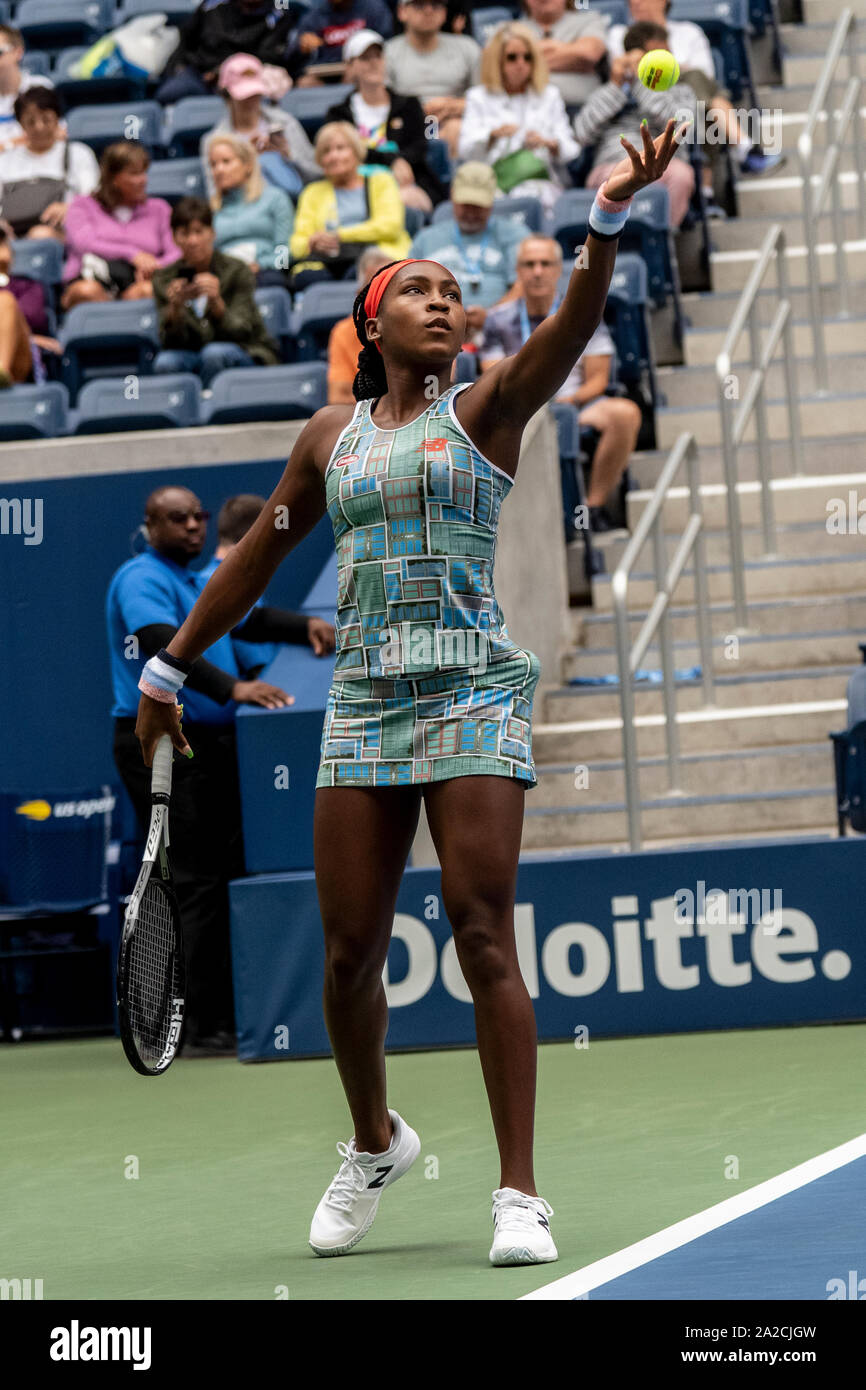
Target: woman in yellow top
[339, 215]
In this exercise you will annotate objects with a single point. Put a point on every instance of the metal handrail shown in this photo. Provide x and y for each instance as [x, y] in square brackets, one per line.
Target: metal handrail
[813, 202]
[629, 656]
[734, 421]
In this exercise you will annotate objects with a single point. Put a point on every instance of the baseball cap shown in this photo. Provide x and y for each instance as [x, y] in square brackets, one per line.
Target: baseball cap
[359, 42]
[242, 76]
[474, 183]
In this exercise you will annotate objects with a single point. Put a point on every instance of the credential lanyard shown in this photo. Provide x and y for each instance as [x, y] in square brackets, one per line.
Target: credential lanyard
[525, 330]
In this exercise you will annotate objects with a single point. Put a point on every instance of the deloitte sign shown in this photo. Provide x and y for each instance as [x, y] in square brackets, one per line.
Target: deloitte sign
[619, 944]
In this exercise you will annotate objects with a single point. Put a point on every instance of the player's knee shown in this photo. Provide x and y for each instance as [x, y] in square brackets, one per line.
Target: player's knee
[351, 967]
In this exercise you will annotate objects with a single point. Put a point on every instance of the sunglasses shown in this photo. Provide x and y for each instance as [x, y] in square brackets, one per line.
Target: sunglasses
[180, 518]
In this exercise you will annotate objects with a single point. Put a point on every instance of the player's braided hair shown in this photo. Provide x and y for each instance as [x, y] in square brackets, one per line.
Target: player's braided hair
[370, 380]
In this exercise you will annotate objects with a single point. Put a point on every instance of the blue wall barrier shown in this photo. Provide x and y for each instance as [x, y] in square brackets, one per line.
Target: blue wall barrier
[56, 698]
[601, 943]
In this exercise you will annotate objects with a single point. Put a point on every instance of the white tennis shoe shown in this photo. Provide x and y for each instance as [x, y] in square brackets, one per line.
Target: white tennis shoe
[521, 1230]
[346, 1212]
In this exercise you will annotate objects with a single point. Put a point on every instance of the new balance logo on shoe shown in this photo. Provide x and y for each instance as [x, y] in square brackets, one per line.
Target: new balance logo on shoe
[543, 1221]
[378, 1182]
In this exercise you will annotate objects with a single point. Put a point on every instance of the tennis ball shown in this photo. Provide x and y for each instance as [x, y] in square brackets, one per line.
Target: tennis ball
[658, 70]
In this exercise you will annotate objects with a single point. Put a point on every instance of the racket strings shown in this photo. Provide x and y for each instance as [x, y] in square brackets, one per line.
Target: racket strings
[154, 974]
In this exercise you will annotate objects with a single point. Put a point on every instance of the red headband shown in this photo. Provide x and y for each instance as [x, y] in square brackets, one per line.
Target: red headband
[382, 279]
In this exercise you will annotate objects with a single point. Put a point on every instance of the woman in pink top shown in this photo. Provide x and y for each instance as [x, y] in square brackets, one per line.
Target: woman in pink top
[117, 236]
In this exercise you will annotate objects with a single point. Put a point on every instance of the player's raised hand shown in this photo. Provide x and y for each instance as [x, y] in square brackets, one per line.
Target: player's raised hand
[638, 170]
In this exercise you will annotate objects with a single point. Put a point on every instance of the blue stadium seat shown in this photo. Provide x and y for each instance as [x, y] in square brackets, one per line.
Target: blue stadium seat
[35, 62]
[483, 22]
[38, 259]
[99, 126]
[616, 10]
[310, 105]
[52, 25]
[726, 25]
[175, 11]
[647, 231]
[173, 179]
[187, 121]
[163, 402]
[41, 259]
[34, 412]
[91, 91]
[267, 393]
[275, 307]
[439, 160]
[319, 307]
[108, 340]
[529, 209]
[467, 367]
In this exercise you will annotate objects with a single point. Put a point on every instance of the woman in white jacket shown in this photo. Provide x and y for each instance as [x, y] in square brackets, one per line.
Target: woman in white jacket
[517, 107]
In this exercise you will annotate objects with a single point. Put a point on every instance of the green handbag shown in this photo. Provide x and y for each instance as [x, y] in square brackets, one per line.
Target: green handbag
[516, 168]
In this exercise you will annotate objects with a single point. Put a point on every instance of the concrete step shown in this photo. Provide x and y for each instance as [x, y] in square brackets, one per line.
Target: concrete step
[716, 308]
[805, 617]
[805, 68]
[795, 499]
[793, 96]
[813, 37]
[567, 786]
[820, 456]
[742, 690]
[679, 817]
[841, 335]
[819, 416]
[771, 195]
[700, 730]
[730, 652]
[747, 233]
[763, 579]
[828, 11]
[807, 540]
[697, 385]
[780, 130]
[731, 269]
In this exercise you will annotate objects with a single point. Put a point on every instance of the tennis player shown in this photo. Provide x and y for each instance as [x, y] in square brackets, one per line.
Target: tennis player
[413, 478]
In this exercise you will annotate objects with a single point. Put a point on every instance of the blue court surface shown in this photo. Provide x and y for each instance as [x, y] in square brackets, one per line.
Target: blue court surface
[801, 1235]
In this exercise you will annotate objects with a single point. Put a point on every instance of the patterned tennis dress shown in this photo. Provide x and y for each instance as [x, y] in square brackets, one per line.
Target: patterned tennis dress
[427, 683]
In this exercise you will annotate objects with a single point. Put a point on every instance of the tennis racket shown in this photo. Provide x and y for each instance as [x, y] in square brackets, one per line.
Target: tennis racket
[150, 971]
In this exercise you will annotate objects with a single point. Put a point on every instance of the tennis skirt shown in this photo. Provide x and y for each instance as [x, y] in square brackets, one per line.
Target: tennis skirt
[459, 723]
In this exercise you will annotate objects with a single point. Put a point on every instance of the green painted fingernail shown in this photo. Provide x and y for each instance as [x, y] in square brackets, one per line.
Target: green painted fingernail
[190, 753]
[643, 122]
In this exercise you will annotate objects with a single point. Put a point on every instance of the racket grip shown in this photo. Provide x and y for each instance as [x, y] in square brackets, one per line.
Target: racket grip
[161, 780]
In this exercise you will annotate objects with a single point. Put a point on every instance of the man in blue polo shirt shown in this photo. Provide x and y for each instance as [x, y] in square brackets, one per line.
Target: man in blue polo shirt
[148, 599]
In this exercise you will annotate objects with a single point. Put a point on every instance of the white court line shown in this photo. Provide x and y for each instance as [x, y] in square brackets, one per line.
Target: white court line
[682, 1232]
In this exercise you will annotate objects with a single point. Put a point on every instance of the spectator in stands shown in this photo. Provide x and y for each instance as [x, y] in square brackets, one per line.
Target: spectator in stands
[208, 318]
[116, 237]
[438, 68]
[458, 17]
[236, 516]
[617, 420]
[285, 154]
[343, 345]
[38, 178]
[391, 127]
[572, 43]
[345, 211]
[327, 26]
[691, 48]
[16, 358]
[252, 219]
[213, 33]
[515, 118]
[480, 250]
[618, 108]
[148, 599]
[29, 294]
[13, 81]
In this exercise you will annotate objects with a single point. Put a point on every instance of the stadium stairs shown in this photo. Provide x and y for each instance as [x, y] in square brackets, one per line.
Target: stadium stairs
[759, 761]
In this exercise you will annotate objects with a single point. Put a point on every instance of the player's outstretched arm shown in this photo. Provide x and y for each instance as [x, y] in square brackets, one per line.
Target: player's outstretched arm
[293, 509]
[510, 392]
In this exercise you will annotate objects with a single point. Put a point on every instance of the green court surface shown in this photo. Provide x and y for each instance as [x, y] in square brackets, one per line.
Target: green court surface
[631, 1136]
